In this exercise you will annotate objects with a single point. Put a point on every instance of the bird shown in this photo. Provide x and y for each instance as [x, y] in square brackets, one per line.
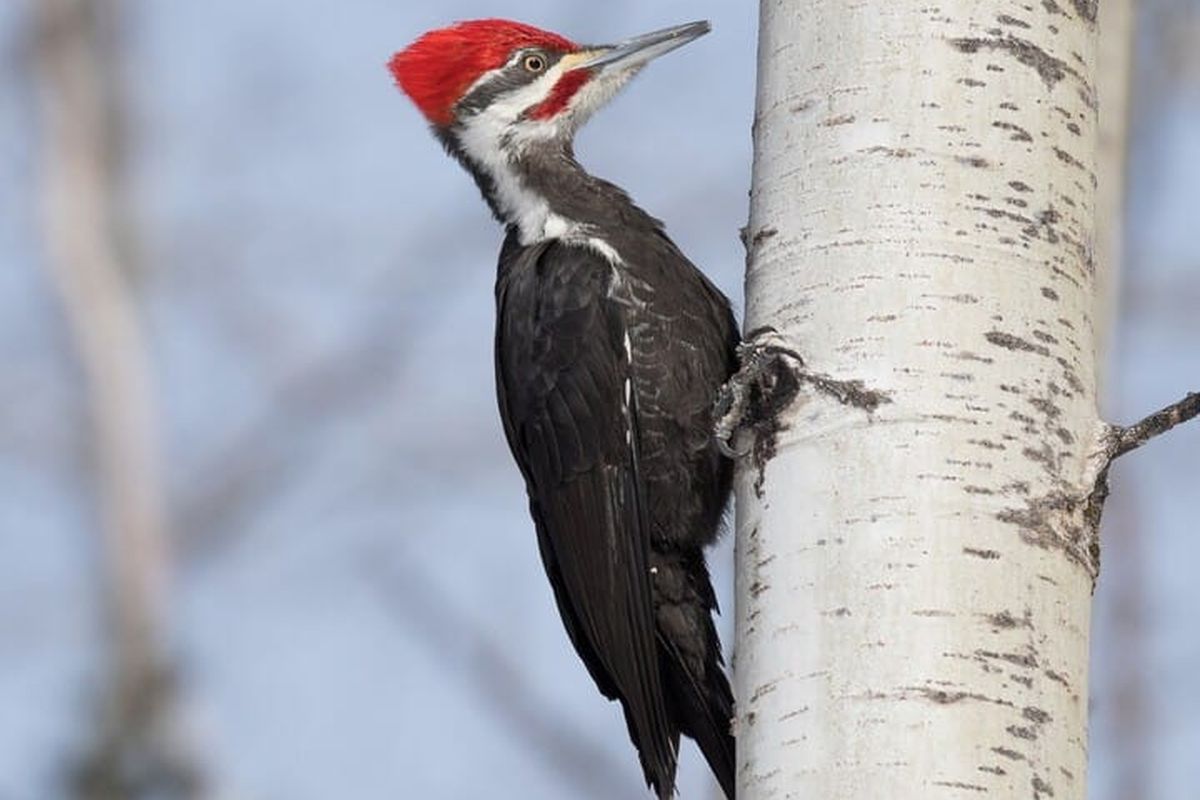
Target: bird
[610, 348]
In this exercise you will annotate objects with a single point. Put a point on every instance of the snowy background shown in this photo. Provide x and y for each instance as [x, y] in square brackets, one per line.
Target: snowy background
[357, 605]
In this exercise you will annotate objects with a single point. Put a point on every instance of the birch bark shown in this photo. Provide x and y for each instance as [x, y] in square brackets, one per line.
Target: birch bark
[917, 532]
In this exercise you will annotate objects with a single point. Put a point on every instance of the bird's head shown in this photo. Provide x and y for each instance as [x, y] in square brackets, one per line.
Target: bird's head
[491, 88]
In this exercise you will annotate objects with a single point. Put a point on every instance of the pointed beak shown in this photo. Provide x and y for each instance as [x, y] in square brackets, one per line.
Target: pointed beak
[639, 50]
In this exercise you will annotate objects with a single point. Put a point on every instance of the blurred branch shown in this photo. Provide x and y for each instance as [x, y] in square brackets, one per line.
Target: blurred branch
[349, 378]
[1114, 67]
[267, 453]
[1124, 673]
[92, 267]
[497, 676]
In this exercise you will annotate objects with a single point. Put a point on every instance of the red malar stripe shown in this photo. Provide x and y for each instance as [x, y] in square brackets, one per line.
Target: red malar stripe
[570, 83]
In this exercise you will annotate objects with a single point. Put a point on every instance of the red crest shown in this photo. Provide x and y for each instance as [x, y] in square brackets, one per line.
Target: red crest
[441, 65]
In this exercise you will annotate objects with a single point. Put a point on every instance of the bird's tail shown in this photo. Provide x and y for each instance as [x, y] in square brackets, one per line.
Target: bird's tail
[703, 708]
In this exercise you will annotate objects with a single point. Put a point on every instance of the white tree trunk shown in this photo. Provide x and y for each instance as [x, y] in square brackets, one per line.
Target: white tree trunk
[138, 750]
[916, 545]
[93, 277]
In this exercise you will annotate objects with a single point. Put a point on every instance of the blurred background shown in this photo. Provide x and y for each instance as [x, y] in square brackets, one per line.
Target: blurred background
[276, 383]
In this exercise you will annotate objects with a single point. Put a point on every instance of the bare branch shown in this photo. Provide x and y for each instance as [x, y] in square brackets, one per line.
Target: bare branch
[1116, 442]
[1122, 440]
[262, 457]
[498, 678]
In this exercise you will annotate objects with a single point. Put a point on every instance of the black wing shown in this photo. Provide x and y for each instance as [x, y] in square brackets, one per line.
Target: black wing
[569, 415]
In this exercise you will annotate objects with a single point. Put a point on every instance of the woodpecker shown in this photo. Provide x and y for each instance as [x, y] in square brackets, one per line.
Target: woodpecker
[610, 349]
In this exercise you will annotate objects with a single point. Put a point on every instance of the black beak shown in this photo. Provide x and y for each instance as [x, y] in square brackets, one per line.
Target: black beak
[639, 50]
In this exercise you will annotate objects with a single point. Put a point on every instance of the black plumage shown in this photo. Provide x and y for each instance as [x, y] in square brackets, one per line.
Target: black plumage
[610, 349]
[606, 373]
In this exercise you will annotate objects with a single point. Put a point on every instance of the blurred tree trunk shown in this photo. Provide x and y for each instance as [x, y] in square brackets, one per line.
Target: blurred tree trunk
[1122, 681]
[917, 529]
[88, 252]
[1114, 63]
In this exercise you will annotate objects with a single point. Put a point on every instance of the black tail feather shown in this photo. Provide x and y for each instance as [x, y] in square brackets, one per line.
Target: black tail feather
[660, 772]
[703, 708]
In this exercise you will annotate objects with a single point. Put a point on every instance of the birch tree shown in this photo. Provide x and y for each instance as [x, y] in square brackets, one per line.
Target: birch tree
[925, 468]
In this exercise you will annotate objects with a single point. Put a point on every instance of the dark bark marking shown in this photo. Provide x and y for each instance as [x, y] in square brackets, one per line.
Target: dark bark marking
[833, 122]
[971, 787]
[1015, 343]
[1049, 293]
[1008, 753]
[1028, 734]
[1005, 19]
[792, 714]
[967, 355]
[1086, 9]
[944, 698]
[1005, 619]
[1057, 678]
[1035, 715]
[848, 393]
[973, 161]
[1019, 134]
[1023, 660]
[1046, 407]
[761, 235]
[1043, 336]
[1000, 213]
[763, 690]
[894, 152]
[1040, 787]
[1056, 521]
[1067, 158]
[1050, 69]
[984, 554]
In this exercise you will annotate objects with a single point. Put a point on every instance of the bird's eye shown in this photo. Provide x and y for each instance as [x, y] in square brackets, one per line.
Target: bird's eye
[534, 63]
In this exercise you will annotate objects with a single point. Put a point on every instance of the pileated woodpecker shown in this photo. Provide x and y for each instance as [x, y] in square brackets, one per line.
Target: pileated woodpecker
[610, 348]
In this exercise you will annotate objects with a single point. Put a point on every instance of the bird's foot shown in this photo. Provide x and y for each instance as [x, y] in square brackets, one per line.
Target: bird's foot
[763, 373]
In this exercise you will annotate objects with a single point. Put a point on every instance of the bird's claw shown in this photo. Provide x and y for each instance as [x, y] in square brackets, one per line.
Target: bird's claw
[761, 348]
[728, 410]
